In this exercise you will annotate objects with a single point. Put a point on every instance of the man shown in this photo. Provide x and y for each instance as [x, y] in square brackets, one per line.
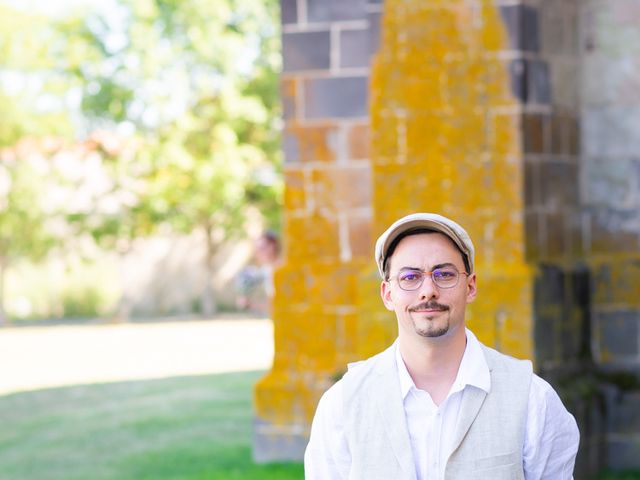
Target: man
[438, 404]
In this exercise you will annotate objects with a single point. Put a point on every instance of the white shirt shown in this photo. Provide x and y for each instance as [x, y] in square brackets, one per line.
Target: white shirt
[551, 434]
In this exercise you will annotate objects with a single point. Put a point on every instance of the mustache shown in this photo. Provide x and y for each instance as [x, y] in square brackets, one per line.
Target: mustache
[430, 305]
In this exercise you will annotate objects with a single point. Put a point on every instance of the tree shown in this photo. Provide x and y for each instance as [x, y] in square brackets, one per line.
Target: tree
[31, 117]
[23, 213]
[196, 81]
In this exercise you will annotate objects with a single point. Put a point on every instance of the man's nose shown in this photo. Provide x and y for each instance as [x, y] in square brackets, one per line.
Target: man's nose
[428, 289]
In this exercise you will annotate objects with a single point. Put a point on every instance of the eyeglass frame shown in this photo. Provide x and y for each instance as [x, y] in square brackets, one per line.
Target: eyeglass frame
[426, 274]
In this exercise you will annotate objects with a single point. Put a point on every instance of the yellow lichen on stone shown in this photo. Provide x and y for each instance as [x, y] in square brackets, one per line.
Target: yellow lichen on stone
[445, 138]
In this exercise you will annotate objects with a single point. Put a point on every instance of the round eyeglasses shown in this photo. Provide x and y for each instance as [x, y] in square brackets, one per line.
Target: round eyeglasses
[411, 279]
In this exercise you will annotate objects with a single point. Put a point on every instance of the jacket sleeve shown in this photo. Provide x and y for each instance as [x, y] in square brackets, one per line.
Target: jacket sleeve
[327, 456]
[551, 435]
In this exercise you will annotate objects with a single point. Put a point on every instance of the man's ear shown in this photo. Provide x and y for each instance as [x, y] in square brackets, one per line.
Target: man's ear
[472, 288]
[385, 294]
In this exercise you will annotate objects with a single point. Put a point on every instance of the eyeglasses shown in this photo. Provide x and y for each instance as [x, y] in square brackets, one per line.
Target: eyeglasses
[442, 277]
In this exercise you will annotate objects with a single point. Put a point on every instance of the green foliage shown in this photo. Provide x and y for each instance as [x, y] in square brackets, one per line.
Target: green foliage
[53, 290]
[28, 82]
[192, 84]
[22, 211]
[190, 428]
[82, 302]
[197, 80]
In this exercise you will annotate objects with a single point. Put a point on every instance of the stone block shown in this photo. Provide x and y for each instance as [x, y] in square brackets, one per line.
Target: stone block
[546, 344]
[538, 85]
[288, 95]
[361, 240]
[565, 80]
[564, 134]
[612, 183]
[358, 141]
[580, 289]
[295, 195]
[534, 237]
[616, 282]
[610, 131]
[374, 19]
[556, 242]
[289, 11]
[335, 10]
[511, 16]
[518, 79]
[312, 143]
[617, 334]
[320, 234]
[277, 443]
[354, 48]
[338, 188]
[577, 233]
[306, 51]
[535, 132]
[624, 412]
[290, 148]
[340, 97]
[570, 337]
[532, 196]
[559, 184]
[619, 86]
[530, 29]
[550, 285]
[623, 453]
[504, 134]
[573, 136]
[522, 26]
[614, 230]
[552, 27]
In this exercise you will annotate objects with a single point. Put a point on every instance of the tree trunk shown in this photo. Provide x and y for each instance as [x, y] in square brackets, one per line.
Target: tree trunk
[3, 316]
[208, 301]
[123, 310]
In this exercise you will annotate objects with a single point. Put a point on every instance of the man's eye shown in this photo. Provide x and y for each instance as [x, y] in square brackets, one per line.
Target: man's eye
[409, 277]
[445, 274]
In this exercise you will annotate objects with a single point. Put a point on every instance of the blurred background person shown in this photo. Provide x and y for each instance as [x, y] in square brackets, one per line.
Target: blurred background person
[255, 282]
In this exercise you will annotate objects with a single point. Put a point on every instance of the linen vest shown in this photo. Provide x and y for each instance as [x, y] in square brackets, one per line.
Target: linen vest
[489, 435]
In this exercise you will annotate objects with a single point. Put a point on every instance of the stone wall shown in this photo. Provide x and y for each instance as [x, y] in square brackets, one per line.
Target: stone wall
[501, 115]
[610, 186]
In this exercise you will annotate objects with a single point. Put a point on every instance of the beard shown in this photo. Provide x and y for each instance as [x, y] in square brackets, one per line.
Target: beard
[435, 326]
[432, 330]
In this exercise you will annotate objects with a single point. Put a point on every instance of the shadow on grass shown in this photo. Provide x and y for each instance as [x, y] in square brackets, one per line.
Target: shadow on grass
[183, 428]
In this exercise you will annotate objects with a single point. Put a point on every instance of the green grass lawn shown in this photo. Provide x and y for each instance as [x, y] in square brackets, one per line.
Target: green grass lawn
[187, 428]
[183, 428]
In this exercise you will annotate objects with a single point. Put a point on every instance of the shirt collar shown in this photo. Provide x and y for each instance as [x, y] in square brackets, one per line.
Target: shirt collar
[473, 369]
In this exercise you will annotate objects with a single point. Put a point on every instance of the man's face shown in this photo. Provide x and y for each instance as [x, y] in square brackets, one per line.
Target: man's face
[429, 311]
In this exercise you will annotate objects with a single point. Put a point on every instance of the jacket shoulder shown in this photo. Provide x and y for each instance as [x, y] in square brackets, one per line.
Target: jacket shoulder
[359, 374]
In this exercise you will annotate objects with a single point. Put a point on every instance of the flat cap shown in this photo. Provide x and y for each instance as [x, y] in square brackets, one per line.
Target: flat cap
[431, 221]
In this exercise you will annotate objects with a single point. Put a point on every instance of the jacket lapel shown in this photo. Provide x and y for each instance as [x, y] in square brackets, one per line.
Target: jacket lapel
[472, 400]
[391, 408]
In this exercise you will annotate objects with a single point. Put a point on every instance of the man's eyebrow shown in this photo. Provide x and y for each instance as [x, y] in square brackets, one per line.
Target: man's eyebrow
[443, 265]
[440, 265]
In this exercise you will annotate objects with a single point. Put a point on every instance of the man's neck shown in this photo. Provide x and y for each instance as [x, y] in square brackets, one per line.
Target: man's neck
[433, 363]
